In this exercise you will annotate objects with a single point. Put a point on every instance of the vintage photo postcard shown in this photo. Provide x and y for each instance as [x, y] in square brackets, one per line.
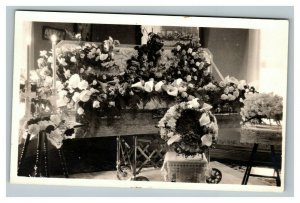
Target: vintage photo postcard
[168, 102]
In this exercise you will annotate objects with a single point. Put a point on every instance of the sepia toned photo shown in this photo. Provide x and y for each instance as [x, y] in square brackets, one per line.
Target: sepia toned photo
[168, 102]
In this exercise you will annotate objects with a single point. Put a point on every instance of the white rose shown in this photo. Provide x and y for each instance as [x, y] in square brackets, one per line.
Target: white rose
[184, 94]
[33, 129]
[190, 50]
[182, 89]
[85, 95]
[48, 81]
[62, 93]
[73, 59]
[96, 104]
[50, 59]
[40, 61]
[44, 124]
[236, 93]
[94, 82]
[55, 119]
[222, 84]
[188, 78]
[106, 46]
[224, 97]
[59, 85]
[103, 57]
[74, 80]
[226, 90]
[190, 85]
[231, 89]
[112, 103]
[178, 47]
[193, 53]
[80, 111]
[231, 97]
[56, 138]
[83, 85]
[93, 90]
[242, 84]
[62, 101]
[76, 97]
[197, 63]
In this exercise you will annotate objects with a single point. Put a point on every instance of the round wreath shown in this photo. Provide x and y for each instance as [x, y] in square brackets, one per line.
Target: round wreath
[189, 127]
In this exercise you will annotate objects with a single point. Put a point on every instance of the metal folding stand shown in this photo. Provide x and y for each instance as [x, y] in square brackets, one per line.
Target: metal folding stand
[124, 171]
[251, 162]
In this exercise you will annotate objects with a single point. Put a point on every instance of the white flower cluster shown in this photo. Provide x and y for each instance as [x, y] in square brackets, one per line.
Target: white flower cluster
[262, 105]
[231, 88]
[52, 126]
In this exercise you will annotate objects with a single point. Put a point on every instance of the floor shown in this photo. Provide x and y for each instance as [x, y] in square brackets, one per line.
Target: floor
[230, 175]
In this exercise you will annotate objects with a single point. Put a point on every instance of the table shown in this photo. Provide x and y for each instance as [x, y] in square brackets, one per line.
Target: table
[261, 134]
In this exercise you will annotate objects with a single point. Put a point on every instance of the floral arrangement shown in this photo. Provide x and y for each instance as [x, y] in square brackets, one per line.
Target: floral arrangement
[227, 95]
[260, 106]
[189, 127]
[175, 78]
[87, 76]
[55, 128]
[90, 80]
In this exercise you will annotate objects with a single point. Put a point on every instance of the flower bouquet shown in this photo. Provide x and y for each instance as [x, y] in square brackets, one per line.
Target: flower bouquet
[262, 114]
[55, 128]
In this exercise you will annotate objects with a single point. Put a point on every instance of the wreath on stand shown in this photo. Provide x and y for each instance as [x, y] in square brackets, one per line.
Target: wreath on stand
[189, 127]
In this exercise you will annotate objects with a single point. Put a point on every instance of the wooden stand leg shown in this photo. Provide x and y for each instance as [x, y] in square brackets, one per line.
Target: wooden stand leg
[134, 157]
[63, 162]
[23, 154]
[37, 166]
[275, 165]
[249, 165]
[46, 172]
[118, 162]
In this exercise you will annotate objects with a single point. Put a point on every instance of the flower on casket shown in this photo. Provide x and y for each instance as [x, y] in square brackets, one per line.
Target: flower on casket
[83, 85]
[74, 81]
[96, 104]
[33, 129]
[80, 111]
[55, 119]
[56, 138]
[85, 95]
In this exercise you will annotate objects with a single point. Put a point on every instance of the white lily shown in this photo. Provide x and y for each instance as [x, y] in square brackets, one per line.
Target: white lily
[149, 85]
[158, 86]
[138, 85]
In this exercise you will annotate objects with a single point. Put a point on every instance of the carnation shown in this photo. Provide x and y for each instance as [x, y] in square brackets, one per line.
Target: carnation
[55, 119]
[74, 81]
[33, 129]
[83, 85]
[80, 111]
[85, 95]
[96, 104]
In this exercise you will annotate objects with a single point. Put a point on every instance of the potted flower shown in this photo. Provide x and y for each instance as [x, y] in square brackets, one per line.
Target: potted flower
[189, 128]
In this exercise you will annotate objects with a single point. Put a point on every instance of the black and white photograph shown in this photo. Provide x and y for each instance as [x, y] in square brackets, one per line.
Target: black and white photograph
[167, 102]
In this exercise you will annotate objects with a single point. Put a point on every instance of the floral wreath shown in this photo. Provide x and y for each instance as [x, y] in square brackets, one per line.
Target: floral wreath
[189, 127]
